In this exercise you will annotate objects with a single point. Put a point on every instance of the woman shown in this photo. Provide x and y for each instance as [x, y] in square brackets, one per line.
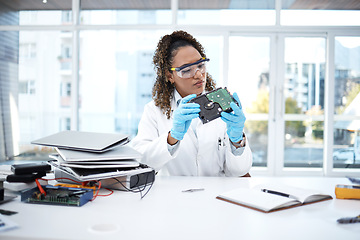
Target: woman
[171, 136]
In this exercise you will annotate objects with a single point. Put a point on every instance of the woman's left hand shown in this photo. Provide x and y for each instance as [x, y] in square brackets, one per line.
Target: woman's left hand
[235, 121]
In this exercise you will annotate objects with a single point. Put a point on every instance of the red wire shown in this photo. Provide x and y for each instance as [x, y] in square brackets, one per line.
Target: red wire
[105, 195]
[82, 183]
[97, 192]
[40, 187]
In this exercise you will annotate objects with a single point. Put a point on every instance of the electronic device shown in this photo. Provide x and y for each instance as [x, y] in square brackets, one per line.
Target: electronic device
[56, 195]
[25, 178]
[29, 168]
[84, 141]
[125, 180]
[130, 182]
[213, 103]
[347, 191]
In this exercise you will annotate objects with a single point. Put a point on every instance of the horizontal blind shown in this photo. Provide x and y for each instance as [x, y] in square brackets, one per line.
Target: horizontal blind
[9, 52]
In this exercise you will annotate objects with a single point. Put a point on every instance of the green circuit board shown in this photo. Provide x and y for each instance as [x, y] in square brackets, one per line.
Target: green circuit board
[221, 96]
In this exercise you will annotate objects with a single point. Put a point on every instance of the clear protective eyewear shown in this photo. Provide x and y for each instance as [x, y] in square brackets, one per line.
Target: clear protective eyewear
[189, 70]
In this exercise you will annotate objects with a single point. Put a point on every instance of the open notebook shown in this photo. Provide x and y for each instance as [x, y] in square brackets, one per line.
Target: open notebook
[269, 198]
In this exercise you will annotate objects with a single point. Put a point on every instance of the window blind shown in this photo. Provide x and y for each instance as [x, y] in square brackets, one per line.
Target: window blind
[9, 49]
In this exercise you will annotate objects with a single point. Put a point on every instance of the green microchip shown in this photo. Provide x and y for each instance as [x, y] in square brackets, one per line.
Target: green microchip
[222, 97]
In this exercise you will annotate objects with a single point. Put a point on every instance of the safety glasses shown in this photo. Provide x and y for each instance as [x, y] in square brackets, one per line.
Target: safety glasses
[189, 70]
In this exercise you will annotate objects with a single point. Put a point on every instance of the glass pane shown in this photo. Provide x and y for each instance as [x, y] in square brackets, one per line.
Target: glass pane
[346, 149]
[320, 18]
[320, 4]
[236, 12]
[304, 101]
[249, 59]
[320, 13]
[213, 46]
[116, 78]
[45, 17]
[257, 132]
[303, 144]
[43, 12]
[44, 106]
[125, 12]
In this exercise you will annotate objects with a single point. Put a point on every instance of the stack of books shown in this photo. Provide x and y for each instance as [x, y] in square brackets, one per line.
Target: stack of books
[87, 156]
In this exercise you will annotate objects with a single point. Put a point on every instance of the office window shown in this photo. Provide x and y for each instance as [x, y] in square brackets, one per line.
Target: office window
[249, 59]
[125, 12]
[236, 12]
[27, 87]
[280, 73]
[117, 76]
[65, 90]
[304, 101]
[58, 12]
[320, 13]
[346, 149]
[213, 46]
[27, 51]
[39, 110]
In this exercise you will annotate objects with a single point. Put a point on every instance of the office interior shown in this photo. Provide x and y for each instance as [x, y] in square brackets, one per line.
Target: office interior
[86, 65]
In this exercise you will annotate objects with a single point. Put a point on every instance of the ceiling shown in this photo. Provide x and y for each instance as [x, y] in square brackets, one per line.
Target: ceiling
[183, 4]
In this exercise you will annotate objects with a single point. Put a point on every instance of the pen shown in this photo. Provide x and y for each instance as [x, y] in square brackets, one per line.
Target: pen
[349, 219]
[277, 193]
[354, 180]
[193, 190]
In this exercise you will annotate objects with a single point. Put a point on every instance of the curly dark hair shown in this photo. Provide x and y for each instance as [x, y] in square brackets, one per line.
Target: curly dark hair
[166, 50]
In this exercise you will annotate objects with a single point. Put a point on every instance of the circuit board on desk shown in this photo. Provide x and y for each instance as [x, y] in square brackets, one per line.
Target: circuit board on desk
[55, 195]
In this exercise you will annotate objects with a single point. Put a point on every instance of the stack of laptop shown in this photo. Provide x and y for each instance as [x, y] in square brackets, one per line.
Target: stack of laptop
[89, 156]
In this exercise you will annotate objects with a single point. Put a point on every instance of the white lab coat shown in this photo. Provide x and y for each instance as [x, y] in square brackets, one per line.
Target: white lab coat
[204, 151]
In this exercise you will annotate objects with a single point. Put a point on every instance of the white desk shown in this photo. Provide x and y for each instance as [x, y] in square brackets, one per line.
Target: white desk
[168, 213]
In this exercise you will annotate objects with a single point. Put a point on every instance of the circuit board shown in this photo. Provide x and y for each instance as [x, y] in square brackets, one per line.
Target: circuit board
[55, 195]
[221, 96]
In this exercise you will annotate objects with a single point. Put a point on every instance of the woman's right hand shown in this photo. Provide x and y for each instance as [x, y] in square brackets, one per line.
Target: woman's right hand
[183, 116]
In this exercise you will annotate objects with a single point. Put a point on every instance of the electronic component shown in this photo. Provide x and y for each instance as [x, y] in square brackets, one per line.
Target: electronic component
[28, 168]
[347, 191]
[76, 186]
[58, 196]
[25, 178]
[131, 179]
[130, 182]
[213, 103]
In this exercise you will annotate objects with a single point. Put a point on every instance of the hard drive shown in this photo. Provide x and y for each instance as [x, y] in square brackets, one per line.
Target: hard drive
[29, 168]
[213, 103]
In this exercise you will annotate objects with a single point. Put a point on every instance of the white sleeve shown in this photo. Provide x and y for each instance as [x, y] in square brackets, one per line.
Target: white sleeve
[153, 146]
[238, 165]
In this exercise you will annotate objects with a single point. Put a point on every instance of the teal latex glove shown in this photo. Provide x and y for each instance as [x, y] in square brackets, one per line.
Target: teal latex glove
[183, 116]
[235, 121]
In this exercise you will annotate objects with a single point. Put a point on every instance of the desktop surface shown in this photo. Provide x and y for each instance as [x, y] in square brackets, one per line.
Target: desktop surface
[167, 212]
